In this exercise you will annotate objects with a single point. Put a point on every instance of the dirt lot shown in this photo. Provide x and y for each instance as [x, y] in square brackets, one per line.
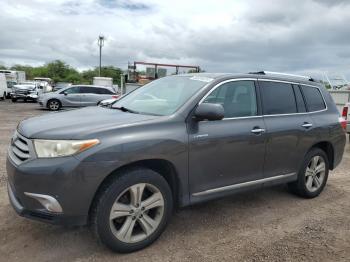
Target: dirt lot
[266, 225]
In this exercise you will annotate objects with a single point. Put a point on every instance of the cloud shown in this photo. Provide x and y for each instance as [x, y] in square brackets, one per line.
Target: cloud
[308, 37]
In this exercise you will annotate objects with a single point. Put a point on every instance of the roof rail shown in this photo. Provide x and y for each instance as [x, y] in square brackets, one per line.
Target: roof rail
[308, 78]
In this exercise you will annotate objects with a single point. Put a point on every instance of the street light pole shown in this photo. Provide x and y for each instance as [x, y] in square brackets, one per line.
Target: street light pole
[101, 40]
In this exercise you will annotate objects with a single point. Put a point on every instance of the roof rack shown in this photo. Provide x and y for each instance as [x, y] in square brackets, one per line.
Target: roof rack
[308, 78]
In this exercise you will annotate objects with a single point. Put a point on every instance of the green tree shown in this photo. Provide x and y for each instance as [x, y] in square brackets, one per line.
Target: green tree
[60, 71]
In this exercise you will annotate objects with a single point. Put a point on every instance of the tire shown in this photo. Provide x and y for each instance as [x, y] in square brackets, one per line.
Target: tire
[54, 105]
[118, 189]
[14, 100]
[318, 176]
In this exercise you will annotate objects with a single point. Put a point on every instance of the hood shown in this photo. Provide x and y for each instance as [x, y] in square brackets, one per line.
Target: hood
[78, 124]
[24, 87]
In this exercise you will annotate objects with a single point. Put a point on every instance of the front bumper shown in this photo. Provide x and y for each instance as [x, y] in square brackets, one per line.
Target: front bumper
[71, 182]
[24, 96]
[41, 214]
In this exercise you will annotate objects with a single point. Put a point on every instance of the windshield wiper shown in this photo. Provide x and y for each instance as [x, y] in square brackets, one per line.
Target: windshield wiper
[124, 109]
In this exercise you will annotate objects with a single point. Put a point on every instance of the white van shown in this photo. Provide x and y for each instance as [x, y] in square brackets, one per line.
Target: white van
[3, 87]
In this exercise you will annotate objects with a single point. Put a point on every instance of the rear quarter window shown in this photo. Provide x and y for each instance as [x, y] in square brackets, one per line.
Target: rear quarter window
[314, 99]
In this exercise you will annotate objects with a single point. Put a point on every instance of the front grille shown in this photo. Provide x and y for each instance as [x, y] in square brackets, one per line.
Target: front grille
[19, 148]
[22, 91]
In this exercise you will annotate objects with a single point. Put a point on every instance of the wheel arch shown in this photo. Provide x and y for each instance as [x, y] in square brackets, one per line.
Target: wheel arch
[164, 167]
[328, 148]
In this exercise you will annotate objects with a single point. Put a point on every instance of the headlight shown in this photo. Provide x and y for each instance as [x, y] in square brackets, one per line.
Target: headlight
[57, 148]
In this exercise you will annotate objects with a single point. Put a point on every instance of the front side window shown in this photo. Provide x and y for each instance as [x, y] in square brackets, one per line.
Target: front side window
[72, 90]
[163, 96]
[238, 98]
[278, 98]
[313, 98]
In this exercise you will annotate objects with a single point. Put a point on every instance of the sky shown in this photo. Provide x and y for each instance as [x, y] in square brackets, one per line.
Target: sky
[307, 37]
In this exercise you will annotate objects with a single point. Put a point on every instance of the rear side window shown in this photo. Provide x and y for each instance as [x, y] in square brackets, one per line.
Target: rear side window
[278, 98]
[313, 98]
[104, 91]
[88, 90]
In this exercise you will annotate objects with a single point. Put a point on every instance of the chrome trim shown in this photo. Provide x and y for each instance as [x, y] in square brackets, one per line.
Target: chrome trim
[285, 81]
[301, 84]
[267, 80]
[285, 74]
[306, 125]
[48, 202]
[242, 185]
[258, 130]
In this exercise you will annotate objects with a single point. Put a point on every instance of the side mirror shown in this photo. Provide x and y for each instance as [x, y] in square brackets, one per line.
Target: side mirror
[65, 93]
[209, 111]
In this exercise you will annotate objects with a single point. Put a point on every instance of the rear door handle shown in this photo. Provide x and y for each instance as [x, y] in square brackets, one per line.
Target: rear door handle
[307, 125]
[258, 130]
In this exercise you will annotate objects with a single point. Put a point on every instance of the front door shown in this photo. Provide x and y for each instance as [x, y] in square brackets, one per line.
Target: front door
[229, 151]
[71, 96]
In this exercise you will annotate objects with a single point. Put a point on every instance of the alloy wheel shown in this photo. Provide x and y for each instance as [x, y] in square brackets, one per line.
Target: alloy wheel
[136, 213]
[315, 173]
[54, 105]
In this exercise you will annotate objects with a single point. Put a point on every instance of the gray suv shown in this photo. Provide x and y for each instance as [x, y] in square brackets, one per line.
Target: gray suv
[76, 96]
[174, 142]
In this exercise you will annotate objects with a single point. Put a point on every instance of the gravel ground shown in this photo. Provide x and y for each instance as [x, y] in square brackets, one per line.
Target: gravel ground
[264, 225]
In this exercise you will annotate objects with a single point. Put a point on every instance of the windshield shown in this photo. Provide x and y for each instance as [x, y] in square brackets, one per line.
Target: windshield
[163, 96]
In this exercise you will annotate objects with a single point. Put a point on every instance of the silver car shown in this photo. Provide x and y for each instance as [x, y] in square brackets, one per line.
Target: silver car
[76, 96]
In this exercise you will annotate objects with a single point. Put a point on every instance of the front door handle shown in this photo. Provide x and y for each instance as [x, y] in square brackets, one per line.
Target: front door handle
[306, 125]
[258, 130]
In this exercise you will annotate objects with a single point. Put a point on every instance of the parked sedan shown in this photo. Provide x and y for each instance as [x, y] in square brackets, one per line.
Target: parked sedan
[76, 96]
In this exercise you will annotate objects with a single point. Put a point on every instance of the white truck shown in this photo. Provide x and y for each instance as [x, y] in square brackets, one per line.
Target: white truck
[13, 78]
[3, 87]
[21, 77]
[102, 81]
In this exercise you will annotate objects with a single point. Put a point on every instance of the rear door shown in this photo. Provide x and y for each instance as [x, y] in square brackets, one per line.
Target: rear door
[289, 128]
[90, 96]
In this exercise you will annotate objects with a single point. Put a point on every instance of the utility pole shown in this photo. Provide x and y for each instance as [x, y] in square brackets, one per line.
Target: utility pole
[100, 42]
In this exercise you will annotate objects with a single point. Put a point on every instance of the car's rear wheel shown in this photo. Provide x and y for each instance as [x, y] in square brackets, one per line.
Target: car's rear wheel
[54, 105]
[132, 210]
[313, 175]
[14, 100]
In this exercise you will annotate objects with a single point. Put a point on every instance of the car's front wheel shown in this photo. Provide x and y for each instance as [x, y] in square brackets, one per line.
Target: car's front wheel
[313, 175]
[54, 105]
[132, 210]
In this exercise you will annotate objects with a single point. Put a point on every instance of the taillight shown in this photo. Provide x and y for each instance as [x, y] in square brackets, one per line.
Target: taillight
[342, 122]
[345, 112]
[115, 97]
